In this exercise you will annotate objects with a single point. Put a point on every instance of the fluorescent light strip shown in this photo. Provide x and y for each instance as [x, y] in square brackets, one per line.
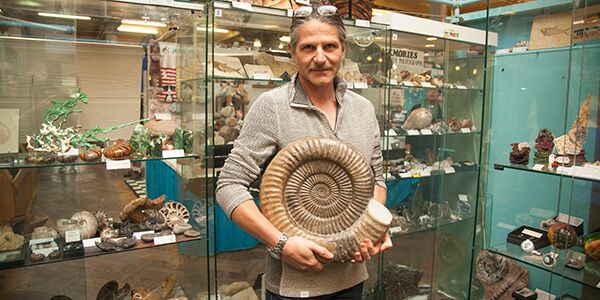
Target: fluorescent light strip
[62, 16]
[285, 38]
[137, 29]
[143, 23]
[431, 38]
[217, 30]
[430, 46]
[67, 41]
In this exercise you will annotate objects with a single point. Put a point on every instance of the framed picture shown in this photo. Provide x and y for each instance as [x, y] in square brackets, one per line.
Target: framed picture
[9, 130]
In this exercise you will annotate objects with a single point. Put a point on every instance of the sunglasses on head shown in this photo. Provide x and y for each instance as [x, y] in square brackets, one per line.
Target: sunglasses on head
[323, 10]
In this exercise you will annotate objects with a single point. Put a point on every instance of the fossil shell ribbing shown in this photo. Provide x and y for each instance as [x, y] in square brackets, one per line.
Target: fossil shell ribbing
[321, 189]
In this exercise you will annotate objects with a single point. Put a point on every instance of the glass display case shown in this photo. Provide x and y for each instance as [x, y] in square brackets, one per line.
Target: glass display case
[434, 119]
[93, 117]
[539, 203]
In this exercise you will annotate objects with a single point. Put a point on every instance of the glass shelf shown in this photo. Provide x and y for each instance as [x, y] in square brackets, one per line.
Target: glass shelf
[433, 134]
[575, 172]
[457, 170]
[87, 252]
[588, 276]
[274, 80]
[400, 86]
[395, 231]
[18, 161]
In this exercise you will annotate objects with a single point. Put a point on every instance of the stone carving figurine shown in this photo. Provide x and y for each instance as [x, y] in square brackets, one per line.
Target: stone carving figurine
[571, 144]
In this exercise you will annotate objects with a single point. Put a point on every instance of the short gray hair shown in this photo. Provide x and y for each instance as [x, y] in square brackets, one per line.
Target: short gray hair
[335, 21]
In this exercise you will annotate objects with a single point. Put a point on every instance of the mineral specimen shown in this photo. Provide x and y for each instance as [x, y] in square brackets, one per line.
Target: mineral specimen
[520, 153]
[543, 146]
[140, 140]
[571, 144]
[9, 240]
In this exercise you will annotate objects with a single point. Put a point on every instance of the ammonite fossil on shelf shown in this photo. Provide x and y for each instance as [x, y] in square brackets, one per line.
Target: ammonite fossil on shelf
[175, 212]
[499, 276]
[91, 154]
[119, 150]
[321, 189]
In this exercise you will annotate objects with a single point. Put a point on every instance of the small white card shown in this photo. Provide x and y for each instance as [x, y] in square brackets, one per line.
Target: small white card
[165, 117]
[361, 85]
[465, 130]
[532, 233]
[118, 164]
[173, 153]
[138, 235]
[449, 170]
[240, 5]
[461, 87]
[72, 236]
[425, 173]
[218, 12]
[40, 241]
[261, 76]
[167, 239]
[91, 242]
[362, 23]
[573, 221]
[538, 167]
[393, 81]
[198, 117]
[519, 49]
[412, 132]
[405, 175]
[426, 132]
[290, 12]
[281, 58]
[350, 85]
[407, 83]
[427, 84]
[463, 198]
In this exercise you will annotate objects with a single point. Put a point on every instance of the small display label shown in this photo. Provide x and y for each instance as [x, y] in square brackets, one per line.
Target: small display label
[426, 132]
[412, 132]
[218, 12]
[167, 239]
[138, 235]
[72, 236]
[361, 85]
[519, 49]
[425, 173]
[362, 23]
[538, 167]
[573, 221]
[461, 87]
[281, 58]
[463, 198]
[427, 85]
[161, 117]
[394, 36]
[465, 130]
[350, 85]
[173, 153]
[118, 164]
[393, 81]
[290, 12]
[405, 175]
[40, 241]
[240, 5]
[532, 233]
[449, 170]
[407, 83]
[261, 76]
[91, 242]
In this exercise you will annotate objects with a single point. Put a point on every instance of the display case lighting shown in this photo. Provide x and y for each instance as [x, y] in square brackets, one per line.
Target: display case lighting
[431, 38]
[143, 23]
[137, 29]
[430, 46]
[63, 16]
[285, 38]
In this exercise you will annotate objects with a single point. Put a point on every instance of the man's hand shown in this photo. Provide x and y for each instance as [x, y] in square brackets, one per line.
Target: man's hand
[301, 254]
[368, 250]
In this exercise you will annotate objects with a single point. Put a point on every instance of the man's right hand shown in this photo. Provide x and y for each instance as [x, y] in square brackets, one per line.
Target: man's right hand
[301, 254]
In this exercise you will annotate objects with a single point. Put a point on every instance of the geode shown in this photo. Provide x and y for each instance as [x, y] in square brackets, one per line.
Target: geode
[544, 144]
[321, 189]
[520, 153]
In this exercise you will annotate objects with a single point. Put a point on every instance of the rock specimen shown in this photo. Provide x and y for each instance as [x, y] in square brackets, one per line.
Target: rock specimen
[121, 149]
[9, 240]
[133, 211]
[571, 144]
[321, 189]
[520, 153]
[418, 119]
[140, 140]
[544, 144]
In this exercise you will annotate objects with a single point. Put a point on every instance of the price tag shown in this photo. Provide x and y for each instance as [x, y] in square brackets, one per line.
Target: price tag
[91, 242]
[412, 132]
[118, 164]
[72, 236]
[361, 85]
[261, 76]
[394, 36]
[240, 5]
[290, 12]
[393, 81]
[463, 198]
[405, 175]
[461, 87]
[449, 170]
[362, 23]
[395, 230]
[538, 167]
[167, 239]
[218, 12]
[426, 132]
[519, 49]
[425, 173]
[165, 117]
[427, 85]
[407, 83]
[173, 153]
[465, 130]
[350, 85]
[281, 58]
[531, 233]
[138, 235]
[198, 117]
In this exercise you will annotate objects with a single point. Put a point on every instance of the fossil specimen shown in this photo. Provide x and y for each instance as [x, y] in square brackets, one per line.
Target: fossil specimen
[10, 240]
[127, 243]
[133, 210]
[499, 276]
[111, 291]
[181, 227]
[90, 154]
[418, 119]
[44, 232]
[154, 220]
[321, 189]
[175, 212]
[87, 222]
[119, 150]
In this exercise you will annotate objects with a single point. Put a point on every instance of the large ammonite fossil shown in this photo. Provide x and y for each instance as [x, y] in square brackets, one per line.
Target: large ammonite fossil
[321, 189]
[119, 150]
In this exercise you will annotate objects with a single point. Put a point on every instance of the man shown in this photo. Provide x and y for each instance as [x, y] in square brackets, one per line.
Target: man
[314, 103]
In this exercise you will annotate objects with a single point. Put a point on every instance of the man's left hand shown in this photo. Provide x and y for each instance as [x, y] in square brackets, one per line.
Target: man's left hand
[368, 250]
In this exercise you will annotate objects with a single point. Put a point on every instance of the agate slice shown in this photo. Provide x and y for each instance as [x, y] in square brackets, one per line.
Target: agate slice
[321, 189]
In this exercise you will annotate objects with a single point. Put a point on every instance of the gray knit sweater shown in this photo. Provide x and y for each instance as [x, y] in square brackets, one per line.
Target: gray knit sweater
[277, 118]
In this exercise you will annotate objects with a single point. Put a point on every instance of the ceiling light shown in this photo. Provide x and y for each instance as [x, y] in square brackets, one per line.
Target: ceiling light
[578, 22]
[143, 23]
[457, 68]
[215, 30]
[137, 29]
[257, 43]
[380, 60]
[285, 39]
[431, 38]
[430, 46]
[62, 16]
[474, 71]
[369, 58]
[280, 46]
[277, 51]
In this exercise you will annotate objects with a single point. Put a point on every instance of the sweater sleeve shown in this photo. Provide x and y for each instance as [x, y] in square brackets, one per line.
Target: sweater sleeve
[255, 145]
[377, 158]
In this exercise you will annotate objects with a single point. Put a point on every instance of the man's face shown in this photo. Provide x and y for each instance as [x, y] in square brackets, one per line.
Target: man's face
[318, 53]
